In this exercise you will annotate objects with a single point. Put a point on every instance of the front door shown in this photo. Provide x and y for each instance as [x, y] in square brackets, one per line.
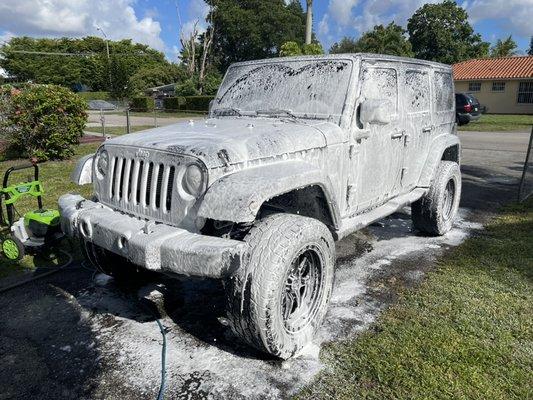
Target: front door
[377, 148]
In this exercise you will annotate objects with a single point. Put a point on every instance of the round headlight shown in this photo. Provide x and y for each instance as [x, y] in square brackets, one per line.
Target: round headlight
[103, 162]
[193, 180]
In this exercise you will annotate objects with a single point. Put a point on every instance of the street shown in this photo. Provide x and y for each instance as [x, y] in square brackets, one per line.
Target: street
[78, 335]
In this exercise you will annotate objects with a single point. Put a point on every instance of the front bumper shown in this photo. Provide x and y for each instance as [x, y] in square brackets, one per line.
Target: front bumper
[148, 244]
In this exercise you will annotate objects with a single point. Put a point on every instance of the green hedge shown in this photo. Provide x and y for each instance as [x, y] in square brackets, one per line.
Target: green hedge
[88, 96]
[198, 103]
[174, 103]
[142, 104]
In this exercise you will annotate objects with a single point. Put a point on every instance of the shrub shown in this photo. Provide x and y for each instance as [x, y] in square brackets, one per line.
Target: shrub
[88, 96]
[142, 104]
[174, 103]
[198, 103]
[42, 121]
[189, 87]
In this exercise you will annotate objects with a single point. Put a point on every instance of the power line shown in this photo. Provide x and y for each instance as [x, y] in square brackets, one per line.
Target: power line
[49, 53]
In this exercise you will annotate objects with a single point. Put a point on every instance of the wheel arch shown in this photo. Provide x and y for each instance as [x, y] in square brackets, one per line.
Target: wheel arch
[244, 195]
[444, 148]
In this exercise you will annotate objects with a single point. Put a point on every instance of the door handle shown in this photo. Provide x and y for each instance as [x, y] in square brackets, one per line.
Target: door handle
[397, 135]
[427, 129]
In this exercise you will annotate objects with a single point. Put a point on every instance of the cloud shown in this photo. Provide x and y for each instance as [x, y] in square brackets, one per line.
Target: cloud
[53, 18]
[341, 10]
[512, 15]
[354, 17]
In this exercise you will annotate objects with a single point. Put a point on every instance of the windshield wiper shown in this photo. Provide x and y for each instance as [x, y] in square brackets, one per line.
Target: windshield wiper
[227, 111]
[276, 111]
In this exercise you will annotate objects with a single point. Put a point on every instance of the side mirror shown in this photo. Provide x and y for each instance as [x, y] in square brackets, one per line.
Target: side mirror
[375, 111]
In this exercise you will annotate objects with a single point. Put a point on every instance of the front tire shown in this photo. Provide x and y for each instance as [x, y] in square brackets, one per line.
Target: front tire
[278, 298]
[435, 212]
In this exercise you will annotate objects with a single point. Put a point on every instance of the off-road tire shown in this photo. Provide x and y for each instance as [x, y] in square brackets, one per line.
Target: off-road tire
[255, 293]
[111, 264]
[433, 214]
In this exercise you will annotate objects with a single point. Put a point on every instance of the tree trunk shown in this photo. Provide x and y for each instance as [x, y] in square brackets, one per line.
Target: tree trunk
[309, 22]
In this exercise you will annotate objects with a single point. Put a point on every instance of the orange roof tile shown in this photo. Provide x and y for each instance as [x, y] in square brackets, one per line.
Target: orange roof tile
[494, 68]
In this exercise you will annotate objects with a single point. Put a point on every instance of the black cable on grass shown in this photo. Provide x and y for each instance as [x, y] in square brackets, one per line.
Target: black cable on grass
[39, 276]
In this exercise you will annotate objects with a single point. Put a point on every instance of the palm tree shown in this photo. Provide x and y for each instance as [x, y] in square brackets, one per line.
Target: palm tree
[309, 22]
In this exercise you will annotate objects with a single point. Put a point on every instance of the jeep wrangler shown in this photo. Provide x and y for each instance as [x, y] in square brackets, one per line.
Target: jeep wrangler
[295, 154]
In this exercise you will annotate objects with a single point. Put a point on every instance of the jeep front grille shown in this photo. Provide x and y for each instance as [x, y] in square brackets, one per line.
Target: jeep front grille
[145, 184]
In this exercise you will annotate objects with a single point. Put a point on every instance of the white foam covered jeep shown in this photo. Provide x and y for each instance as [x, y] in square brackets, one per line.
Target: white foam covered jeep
[296, 153]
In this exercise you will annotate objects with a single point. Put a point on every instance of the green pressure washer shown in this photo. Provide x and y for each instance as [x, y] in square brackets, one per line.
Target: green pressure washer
[35, 230]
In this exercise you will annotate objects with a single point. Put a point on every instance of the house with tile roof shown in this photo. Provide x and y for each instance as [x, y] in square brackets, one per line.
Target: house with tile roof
[504, 85]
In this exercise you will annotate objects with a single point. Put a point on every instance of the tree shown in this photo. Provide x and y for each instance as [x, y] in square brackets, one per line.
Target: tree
[253, 29]
[294, 49]
[309, 22]
[504, 48]
[156, 76]
[346, 45]
[530, 50]
[388, 39]
[79, 61]
[441, 32]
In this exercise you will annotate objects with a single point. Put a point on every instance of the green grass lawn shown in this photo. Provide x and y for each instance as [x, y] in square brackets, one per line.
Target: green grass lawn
[466, 333]
[117, 130]
[55, 177]
[500, 123]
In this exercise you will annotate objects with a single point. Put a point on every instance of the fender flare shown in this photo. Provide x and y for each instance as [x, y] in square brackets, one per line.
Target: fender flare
[439, 145]
[238, 196]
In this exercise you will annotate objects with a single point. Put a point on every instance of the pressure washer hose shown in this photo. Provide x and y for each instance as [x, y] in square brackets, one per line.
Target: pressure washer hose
[39, 276]
[162, 386]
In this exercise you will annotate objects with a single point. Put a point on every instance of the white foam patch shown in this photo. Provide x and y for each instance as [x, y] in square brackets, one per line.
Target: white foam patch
[197, 368]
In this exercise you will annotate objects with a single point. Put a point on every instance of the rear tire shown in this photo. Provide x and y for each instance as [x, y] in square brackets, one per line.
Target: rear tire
[111, 264]
[278, 298]
[435, 212]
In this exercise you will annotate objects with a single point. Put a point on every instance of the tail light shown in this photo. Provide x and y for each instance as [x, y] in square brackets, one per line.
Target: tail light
[468, 108]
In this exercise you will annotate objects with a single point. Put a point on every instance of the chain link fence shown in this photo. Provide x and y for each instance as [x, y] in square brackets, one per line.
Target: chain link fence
[526, 182]
[123, 120]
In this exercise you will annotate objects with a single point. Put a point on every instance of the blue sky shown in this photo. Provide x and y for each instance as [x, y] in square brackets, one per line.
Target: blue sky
[156, 22]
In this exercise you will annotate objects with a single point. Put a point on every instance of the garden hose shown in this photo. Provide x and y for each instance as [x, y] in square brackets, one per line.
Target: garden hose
[162, 386]
[39, 276]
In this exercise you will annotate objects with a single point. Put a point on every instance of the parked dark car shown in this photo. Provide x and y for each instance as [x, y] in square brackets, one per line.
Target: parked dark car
[467, 108]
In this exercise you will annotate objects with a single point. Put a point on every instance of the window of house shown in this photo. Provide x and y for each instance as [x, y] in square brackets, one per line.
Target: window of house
[474, 86]
[498, 86]
[525, 92]
[381, 83]
[443, 91]
[417, 91]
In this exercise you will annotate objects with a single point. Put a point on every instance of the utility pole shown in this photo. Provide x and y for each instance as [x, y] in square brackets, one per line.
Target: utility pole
[107, 50]
[309, 22]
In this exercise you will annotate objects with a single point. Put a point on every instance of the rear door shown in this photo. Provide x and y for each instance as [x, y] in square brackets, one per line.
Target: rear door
[417, 100]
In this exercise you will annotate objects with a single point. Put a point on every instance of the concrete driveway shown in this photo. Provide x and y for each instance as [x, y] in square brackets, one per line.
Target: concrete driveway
[79, 335]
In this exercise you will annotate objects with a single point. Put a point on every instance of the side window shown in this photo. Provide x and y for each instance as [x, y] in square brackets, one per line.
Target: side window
[417, 91]
[443, 89]
[380, 83]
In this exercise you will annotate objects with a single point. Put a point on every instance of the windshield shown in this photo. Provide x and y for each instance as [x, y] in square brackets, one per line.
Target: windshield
[307, 89]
